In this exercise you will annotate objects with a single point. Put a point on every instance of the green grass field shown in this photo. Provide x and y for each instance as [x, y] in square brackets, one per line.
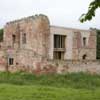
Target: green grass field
[23, 86]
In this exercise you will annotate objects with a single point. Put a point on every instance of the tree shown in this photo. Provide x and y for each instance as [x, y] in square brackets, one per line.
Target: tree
[1, 35]
[91, 11]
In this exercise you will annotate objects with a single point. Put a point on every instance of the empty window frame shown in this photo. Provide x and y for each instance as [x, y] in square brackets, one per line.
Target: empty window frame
[59, 41]
[84, 41]
[14, 38]
[24, 38]
[11, 61]
[58, 55]
[84, 57]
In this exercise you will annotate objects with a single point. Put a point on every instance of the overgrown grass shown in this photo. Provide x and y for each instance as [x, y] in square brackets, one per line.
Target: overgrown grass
[74, 80]
[24, 86]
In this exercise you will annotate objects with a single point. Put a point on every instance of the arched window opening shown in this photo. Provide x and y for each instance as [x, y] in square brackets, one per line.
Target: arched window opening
[11, 61]
[84, 57]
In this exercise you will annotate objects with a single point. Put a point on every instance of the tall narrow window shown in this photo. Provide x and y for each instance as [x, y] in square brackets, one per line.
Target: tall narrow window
[11, 61]
[59, 41]
[24, 38]
[59, 46]
[14, 38]
[84, 41]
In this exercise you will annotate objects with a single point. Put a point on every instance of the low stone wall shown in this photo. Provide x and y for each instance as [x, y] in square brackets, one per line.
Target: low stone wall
[61, 67]
[41, 66]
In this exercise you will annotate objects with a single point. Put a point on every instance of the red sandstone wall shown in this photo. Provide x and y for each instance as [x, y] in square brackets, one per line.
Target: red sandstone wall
[37, 31]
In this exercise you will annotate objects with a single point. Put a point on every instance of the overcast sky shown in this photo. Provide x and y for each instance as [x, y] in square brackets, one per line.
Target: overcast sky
[60, 12]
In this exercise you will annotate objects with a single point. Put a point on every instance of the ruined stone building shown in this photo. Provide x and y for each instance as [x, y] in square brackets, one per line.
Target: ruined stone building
[30, 41]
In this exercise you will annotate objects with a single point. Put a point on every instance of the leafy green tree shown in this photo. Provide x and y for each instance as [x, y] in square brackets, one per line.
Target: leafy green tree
[1, 35]
[91, 11]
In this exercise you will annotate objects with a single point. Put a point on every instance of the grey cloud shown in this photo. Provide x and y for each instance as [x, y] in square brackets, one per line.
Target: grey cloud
[61, 12]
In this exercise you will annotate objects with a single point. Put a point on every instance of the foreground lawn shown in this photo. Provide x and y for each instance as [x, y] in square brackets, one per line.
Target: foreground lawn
[15, 92]
[23, 86]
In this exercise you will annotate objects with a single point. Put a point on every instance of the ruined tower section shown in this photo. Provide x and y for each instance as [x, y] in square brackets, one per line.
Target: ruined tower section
[84, 45]
[27, 40]
[28, 33]
[12, 35]
[40, 33]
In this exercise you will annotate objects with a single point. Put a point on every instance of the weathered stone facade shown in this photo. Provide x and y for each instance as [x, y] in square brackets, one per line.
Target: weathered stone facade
[31, 44]
[74, 43]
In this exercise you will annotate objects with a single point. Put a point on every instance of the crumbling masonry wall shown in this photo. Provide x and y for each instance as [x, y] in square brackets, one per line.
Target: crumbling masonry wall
[37, 30]
[36, 54]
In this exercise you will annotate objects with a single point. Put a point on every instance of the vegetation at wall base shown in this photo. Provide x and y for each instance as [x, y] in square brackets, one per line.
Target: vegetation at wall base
[25, 86]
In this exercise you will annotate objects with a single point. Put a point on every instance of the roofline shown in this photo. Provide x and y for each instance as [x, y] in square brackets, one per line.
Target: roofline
[34, 16]
[68, 28]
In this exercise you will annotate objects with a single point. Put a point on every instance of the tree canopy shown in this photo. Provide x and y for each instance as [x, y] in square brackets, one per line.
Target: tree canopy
[91, 11]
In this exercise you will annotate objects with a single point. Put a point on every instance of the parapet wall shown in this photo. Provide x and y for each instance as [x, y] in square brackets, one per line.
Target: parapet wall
[30, 18]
